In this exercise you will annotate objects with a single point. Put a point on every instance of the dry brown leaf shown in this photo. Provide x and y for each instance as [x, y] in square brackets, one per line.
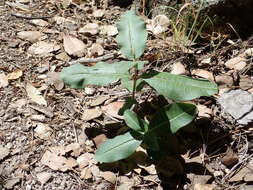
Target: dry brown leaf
[99, 100]
[204, 187]
[99, 139]
[3, 80]
[178, 69]
[43, 131]
[98, 13]
[237, 63]
[56, 162]
[86, 173]
[113, 108]
[39, 22]
[35, 95]
[4, 152]
[96, 50]
[109, 30]
[31, 36]
[159, 24]
[43, 177]
[230, 158]
[43, 48]
[90, 114]
[73, 46]
[15, 74]
[54, 78]
[204, 74]
[90, 29]
[204, 111]
[109, 176]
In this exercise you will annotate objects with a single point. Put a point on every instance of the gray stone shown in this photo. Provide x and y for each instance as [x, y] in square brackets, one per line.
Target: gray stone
[239, 104]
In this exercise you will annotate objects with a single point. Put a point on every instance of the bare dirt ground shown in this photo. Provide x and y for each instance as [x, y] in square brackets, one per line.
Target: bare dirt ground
[48, 140]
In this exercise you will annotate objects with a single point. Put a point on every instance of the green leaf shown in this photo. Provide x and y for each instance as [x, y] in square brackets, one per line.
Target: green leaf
[132, 35]
[117, 148]
[174, 116]
[178, 87]
[77, 76]
[180, 114]
[134, 122]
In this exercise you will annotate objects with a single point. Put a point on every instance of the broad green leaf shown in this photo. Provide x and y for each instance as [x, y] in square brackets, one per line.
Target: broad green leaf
[174, 116]
[134, 122]
[77, 76]
[132, 35]
[117, 148]
[128, 84]
[178, 87]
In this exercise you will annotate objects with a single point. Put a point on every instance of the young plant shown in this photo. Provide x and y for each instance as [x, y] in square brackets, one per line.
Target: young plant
[157, 135]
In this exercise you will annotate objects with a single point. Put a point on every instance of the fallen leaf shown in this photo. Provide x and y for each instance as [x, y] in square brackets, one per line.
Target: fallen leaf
[9, 183]
[99, 100]
[108, 30]
[109, 176]
[237, 63]
[99, 139]
[35, 95]
[3, 80]
[86, 173]
[4, 152]
[159, 24]
[73, 46]
[178, 69]
[39, 22]
[43, 48]
[96, 50]
[63, 56]
[204, 74]
[43, 131]
[54, 79]
[31, 36]
[248, 52]
[113, 108]
[98, 13]
[15, 74]
[204, 111]
[204, 187]
[56, 162]
[90, 29]
[230, 158]
[43, 177]
[89, 114]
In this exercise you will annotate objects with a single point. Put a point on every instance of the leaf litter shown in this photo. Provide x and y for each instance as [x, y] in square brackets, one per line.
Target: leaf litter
[58, 127]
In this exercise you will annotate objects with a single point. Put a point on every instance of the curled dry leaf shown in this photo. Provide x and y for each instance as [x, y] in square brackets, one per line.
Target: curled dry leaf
[3, 80]
[43, 48]
[35, 95]
[159, 24]
[73, 46]
[15, 75]
[90, 29]
[31, 36]
[43, 131]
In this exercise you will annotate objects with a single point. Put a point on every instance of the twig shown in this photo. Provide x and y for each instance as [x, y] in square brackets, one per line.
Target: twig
[18, 15]
[93, 60]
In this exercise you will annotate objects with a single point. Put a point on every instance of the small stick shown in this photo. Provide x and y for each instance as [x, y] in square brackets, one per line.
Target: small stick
[93, 60]
[17, 15]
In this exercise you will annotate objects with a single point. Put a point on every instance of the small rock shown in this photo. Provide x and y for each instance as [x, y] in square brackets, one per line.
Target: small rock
[178, 69]
[96, 50]
[43, 48]
[43, 177]
[204, 74]
[236, 63]
[39, 22]
[245, 82]
[31, 36]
